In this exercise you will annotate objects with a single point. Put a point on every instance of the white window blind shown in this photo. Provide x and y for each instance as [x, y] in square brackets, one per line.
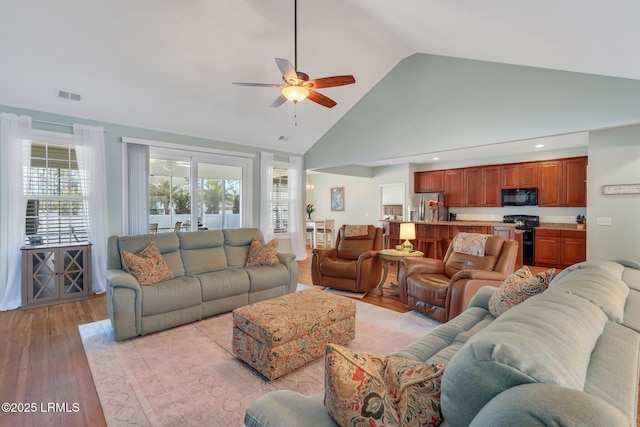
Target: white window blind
[56, 211]
[279, 215]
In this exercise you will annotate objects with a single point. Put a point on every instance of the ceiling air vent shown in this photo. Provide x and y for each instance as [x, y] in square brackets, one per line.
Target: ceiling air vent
[69, 95]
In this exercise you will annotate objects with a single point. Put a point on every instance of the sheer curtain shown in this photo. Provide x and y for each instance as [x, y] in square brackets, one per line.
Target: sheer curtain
[138, 188]
[14, 155]
[89, 144]
[296, 226]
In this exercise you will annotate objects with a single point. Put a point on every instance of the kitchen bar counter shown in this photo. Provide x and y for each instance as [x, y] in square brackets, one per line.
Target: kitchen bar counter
[544, 225]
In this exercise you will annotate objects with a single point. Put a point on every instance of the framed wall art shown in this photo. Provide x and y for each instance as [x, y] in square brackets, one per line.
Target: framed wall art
[337, 198]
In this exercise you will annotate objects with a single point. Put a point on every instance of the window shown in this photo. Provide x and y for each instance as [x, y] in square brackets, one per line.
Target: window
[197, 189]
[56, 210]
[280, 201]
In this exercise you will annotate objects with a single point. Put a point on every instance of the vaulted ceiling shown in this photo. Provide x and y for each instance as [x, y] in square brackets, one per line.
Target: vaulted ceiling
[168, 65]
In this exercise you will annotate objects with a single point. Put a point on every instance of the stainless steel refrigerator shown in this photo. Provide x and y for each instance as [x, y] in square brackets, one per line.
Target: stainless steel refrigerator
[419, 207]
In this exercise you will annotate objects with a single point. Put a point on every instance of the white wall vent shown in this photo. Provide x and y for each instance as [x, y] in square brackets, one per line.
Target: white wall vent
[69, 95]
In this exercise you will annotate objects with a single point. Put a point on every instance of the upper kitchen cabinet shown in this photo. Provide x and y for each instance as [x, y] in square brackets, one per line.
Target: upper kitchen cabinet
[473, 186]
[520, 175]
[428, 181]
[491, 176]
[455, 194]
[575, 182]
[563, 183]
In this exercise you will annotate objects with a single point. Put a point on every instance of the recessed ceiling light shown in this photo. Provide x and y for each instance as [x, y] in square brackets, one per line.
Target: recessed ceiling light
[436, 158]
[539, 146]
[282, 138]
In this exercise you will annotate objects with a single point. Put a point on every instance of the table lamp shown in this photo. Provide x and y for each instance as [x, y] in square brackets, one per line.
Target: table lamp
[407, 232]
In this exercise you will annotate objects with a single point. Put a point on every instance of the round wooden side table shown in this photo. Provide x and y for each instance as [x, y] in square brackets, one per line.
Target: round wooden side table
[387, 255]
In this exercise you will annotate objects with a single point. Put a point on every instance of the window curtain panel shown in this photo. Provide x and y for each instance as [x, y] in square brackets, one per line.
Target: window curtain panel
[138, 188]
[14, 156]
[89, 144]
[296, 226]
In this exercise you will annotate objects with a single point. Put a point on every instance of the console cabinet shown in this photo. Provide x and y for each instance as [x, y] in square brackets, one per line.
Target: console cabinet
[55, 274]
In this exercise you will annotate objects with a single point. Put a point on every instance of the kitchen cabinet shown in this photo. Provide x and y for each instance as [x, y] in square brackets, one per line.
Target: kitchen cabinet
[473, 187]
[428, 181]
[550, 183]
[490, 181]
[559, 248]
[563, 182]
[54, 274]
[454, 187]
[520, 175]
[575, 182]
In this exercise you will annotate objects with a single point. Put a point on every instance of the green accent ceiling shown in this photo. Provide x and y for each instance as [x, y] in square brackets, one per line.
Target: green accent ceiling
[430, 103]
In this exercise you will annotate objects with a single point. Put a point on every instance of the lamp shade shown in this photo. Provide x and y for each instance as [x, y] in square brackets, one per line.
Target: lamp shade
[407, 231]
[295, 93]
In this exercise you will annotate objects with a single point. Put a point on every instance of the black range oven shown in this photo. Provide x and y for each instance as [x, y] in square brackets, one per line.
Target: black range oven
[526, 223]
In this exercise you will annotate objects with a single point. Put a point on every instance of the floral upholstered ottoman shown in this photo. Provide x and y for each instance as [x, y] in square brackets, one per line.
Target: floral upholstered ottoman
[279, 335]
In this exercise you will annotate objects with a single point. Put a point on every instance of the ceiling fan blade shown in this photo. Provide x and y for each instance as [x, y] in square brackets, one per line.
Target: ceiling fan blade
[279, 101]
[319, 98]
[332, 81]
[287, 70]
[257, 84]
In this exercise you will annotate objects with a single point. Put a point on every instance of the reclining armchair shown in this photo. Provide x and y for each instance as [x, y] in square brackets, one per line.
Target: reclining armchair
[442, 289]
[354, 264]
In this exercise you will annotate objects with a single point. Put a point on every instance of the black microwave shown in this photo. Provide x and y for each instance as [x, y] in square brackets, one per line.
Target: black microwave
[519, 197]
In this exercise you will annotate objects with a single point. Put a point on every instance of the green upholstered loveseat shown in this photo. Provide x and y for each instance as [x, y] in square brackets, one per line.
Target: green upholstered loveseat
[209, 277]
[567, 357]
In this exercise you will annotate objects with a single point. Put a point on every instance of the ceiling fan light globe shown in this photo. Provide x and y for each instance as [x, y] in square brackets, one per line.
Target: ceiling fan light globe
[295, 94]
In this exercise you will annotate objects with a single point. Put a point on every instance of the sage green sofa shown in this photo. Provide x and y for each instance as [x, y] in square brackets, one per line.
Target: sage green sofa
[566, 357]
[209, 277]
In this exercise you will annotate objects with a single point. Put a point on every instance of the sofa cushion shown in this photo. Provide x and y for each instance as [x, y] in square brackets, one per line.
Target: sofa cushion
[223, 283]
[202, 251]
[148, 266]
[379, 390]
[524, 345]
[168, 245]
[236, 244]
[260, 254]
[351, 247]
[170, 295]
[338, 267]
[517, 288]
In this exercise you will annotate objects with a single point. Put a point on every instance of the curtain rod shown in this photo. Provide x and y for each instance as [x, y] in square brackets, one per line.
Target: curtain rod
[44, 122]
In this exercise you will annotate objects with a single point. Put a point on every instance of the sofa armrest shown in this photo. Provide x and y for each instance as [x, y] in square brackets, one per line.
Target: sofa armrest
[422, 266]
[367, 254]
[289, 261]
[119, 278]
[124, 303]
[287, 408]
[323, 253]
[479, 275]
[481, 298]
[548, 404]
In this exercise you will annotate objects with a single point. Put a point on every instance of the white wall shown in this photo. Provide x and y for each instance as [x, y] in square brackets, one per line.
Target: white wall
[614, 158]
[361, 194]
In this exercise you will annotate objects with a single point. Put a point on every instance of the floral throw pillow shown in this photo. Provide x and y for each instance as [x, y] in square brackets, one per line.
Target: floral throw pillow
[260, 254]
[363, 389]
[517, 288]
[148, 267]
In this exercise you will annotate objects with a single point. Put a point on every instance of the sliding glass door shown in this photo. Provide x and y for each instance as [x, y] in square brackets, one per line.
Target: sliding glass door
[218, 190]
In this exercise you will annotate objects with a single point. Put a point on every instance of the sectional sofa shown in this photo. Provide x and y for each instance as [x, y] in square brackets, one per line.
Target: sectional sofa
[209, 277]
[566, 357]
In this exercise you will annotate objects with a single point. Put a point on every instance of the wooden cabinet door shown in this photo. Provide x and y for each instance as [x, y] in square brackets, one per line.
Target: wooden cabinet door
[574, 247]
[507, 233]
[528, 175]
[473, 186]
[428, 181]
[575, 182]
[547, 248]
[510, 176]
[550, 183]
[454, 187]
[491, 186]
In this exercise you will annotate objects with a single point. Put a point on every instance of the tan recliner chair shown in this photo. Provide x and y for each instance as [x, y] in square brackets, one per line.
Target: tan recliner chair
[353, 265]
[442, 289]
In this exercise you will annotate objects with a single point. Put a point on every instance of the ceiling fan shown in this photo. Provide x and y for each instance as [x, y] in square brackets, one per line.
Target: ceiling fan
[297, 86]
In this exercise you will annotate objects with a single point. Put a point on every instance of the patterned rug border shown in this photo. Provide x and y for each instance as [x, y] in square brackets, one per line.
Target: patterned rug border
[188, 375]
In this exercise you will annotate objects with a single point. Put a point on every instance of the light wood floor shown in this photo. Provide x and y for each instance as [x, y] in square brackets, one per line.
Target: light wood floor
[42, 360]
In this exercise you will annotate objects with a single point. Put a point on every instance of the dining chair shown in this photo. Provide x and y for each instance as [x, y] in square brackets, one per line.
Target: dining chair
[326, 232]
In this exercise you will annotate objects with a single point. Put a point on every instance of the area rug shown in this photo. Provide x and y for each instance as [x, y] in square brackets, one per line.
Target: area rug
[188, 375]
[358, 295]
